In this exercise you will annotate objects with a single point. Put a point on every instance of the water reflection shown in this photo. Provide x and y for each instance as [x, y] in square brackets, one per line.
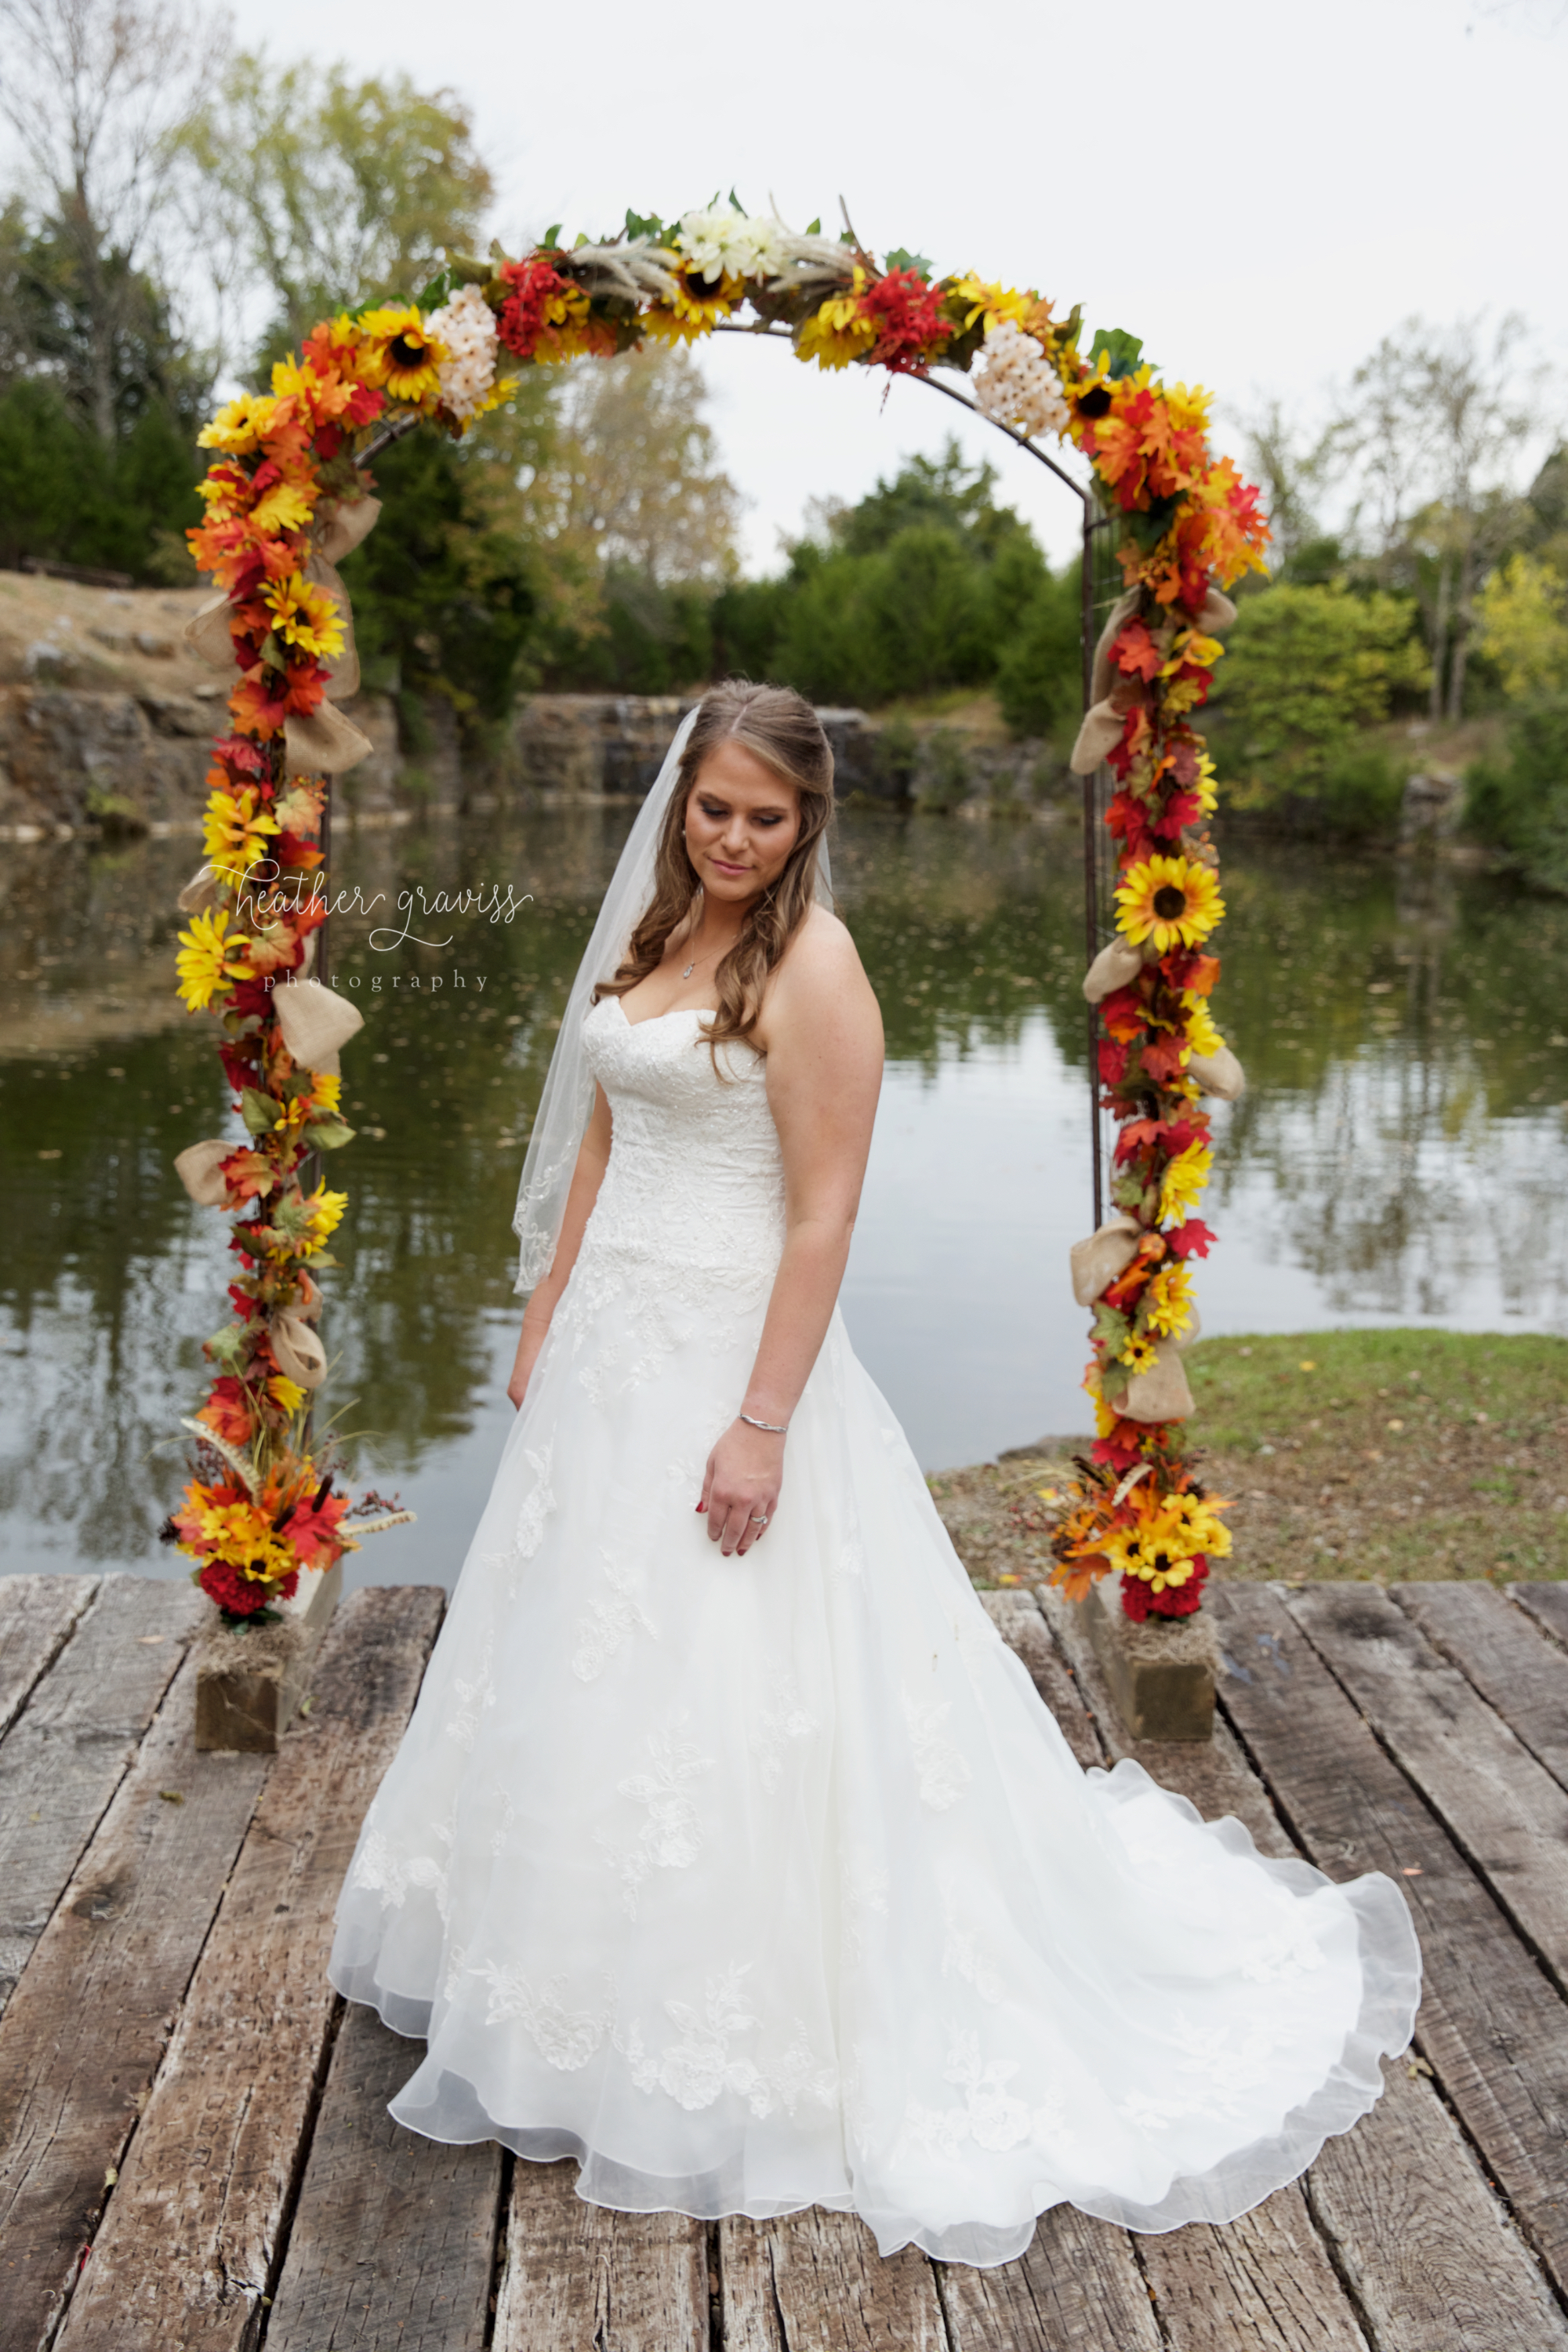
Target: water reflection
[1395, 1158]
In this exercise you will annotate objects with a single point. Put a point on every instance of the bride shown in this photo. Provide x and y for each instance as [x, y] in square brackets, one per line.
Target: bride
[729, 1850]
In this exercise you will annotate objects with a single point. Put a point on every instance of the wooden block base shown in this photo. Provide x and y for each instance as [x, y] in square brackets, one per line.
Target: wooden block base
[1161, 1673]
[248, 1685]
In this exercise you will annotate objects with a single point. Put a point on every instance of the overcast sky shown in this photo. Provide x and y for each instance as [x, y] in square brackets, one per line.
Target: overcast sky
[1260, 190]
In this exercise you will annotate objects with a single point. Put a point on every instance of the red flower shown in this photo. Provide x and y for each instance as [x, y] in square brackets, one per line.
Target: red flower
[910, 329]
[235, 1592]
[1141, 1600]
[523, 321]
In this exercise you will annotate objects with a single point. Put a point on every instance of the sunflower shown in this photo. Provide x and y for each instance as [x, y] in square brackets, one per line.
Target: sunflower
[1184, 1180]
[695, 307]
[206, 961]
[241, 425]
[399, 354]
[235, 831]
[326, 1214]
[1138, 1353]
[839, 331]
[1202, 1034]
[1168, 1299]
[287, 1395]
[994, 303]
[244, 1537]
[1175, 901]
[304, 616]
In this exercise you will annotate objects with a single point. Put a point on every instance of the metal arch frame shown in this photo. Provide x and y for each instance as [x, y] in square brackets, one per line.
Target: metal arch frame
[1092, 522]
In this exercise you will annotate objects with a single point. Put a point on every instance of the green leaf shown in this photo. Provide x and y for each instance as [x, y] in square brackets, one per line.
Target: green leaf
[736, 205]
[648, 225]
[814, 228]
[900, 259]
[1111, 1325]
[551, 236]
[329, 1134]
[228, 1346]
[259, 1112]
[1123, 351]
[1127, 1192]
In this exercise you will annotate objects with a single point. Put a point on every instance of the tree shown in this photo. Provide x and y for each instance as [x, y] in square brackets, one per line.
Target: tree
[1523, 615]
[635, 480]
[1292, 471]
[97, 93]
[1433, 428]
[1306, 672]
[321, 192]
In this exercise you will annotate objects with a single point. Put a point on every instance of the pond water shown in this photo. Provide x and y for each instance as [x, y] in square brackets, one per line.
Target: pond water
[1397, 1157]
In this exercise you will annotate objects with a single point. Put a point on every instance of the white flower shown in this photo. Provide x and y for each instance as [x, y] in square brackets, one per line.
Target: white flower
[1018, 384]
[467, 373]
[725, 242]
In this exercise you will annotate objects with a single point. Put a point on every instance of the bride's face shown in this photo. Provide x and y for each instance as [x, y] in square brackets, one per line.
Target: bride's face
[742, 822]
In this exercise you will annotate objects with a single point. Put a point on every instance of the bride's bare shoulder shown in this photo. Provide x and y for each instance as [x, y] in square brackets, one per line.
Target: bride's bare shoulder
[821, 979]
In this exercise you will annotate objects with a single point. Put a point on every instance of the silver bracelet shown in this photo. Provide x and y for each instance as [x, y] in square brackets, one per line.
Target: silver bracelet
[773, 1428]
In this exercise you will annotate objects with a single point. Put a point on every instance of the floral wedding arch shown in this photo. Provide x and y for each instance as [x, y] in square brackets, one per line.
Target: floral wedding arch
[289, 493]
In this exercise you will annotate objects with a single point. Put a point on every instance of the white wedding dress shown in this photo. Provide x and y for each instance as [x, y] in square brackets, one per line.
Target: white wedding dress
[764, 1883]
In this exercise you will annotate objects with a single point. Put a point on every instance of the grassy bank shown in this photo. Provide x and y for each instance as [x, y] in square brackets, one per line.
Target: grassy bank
[1394, 1454]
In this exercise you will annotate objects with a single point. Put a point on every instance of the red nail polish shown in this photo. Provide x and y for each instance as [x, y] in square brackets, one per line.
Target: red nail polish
[702, 1507]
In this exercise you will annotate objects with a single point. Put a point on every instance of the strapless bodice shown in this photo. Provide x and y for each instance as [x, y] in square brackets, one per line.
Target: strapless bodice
[695, 1184]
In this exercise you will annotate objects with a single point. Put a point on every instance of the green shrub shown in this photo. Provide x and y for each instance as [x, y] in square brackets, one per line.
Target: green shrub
[1361, 791]
[1307, 670]
[1519, 803]
[942, 774]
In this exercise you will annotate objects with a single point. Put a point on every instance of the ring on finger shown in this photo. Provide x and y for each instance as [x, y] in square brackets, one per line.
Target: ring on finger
[759, 1518]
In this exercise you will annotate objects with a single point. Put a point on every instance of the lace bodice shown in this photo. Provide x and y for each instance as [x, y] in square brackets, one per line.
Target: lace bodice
[695, 1183]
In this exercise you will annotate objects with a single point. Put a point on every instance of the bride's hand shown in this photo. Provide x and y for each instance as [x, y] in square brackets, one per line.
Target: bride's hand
[742, 1485]
[527, 1348]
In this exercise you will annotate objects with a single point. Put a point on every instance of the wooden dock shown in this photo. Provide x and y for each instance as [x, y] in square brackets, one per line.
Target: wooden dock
[194, 2143]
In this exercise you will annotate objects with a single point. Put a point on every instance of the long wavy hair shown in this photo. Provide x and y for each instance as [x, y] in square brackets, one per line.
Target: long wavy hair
[783, 732]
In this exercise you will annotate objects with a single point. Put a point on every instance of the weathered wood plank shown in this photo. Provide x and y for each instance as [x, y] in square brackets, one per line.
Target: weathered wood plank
[1264, 2283]
[1508, 1816]
[188, 2245]
[1216, 1778]
[814, 2282]
[68, 1752]
[81, 2041]
[1078, 2289]
[580, 2278]
[1018, 1619]
[1490, 2023]
[1547, 1603]
[1517, 1668]
[1190, 2270]
[1430, 2254]
[38, 1615]
[394, 2239]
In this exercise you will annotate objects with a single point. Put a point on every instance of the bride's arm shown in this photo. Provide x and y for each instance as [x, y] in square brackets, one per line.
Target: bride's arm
[823, 1032]
[593, 1158]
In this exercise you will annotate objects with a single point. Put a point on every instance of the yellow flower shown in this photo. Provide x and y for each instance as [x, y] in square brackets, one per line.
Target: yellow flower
[243, 1536]
[326, 1215]
[240, 426]
[1175, 901]
[1169, 1298]
[1209, 794]
[206, 959]
[1138, 1353]
[288, 505]
[286, 1393]
[1202, 1036]
[235, 831]
[1184, 1180]
[399, 353]
[838, 331]
[304, 616]
[694, 309]
[993, 303]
